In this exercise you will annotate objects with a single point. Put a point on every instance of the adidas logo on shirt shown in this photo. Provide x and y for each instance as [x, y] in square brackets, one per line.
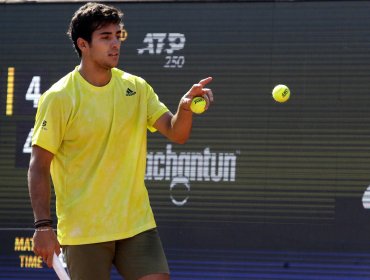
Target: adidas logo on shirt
[130, 92]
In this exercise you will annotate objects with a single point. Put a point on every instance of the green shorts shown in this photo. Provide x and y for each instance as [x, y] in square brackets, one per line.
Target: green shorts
[133, 257]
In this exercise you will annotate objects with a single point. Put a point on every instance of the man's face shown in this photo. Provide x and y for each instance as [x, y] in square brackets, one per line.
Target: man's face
[104, 47]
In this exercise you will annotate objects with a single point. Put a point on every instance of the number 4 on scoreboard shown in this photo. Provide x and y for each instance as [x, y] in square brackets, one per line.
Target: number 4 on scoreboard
[27, 147]
[33, 92]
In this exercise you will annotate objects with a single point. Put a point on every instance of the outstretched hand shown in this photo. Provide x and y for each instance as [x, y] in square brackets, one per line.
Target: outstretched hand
[198, 89]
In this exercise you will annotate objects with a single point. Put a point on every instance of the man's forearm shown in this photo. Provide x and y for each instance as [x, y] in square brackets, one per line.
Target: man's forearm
[181, 124]
[178, 127]
[39, 190]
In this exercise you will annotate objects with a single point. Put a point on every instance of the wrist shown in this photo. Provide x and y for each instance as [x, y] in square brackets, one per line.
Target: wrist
[44, 228]
[43, 223]
[186, 110]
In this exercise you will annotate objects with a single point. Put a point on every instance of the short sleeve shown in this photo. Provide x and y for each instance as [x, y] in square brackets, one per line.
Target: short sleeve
[155, 108]
[51, 121]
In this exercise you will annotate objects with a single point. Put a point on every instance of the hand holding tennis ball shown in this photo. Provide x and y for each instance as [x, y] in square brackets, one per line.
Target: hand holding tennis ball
[198, 105]
[198, 98]
[281, 93]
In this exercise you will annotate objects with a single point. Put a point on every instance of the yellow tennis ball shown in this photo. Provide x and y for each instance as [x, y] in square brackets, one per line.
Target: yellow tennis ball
[198, 105]
[281, 93]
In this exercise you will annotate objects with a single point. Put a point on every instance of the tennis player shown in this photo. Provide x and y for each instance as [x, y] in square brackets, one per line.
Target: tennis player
[90, 136]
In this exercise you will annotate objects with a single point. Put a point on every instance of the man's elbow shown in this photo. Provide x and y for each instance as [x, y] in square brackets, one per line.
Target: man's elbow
[180, 140]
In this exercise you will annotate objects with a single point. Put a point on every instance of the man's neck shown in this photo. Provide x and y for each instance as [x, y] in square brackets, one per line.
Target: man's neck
[96, 76]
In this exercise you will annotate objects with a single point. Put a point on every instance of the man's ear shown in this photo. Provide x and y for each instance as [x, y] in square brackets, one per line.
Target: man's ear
[82, 44]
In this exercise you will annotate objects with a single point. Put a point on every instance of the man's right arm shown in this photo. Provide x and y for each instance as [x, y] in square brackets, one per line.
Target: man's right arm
[39, 182]
[44, 239]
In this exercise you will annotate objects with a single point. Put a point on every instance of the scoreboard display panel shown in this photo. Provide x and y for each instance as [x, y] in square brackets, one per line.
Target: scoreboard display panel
[256, 175]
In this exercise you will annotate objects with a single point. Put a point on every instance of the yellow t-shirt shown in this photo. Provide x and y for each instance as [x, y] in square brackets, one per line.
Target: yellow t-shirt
[98, 137]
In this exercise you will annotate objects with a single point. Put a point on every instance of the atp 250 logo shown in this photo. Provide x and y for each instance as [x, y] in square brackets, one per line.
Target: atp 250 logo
[165, 43]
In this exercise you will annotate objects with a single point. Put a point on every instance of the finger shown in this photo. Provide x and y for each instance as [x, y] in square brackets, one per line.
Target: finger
[208, 92]
[57, 250]
[205, 81]
[196, 90]
[49, 260]
[206, 98]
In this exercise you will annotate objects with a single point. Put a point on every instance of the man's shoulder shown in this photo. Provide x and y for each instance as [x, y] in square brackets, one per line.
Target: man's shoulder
[61, 88]
[127, 77]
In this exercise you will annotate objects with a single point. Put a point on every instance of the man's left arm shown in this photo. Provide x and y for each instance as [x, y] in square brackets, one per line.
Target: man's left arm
[177, 127]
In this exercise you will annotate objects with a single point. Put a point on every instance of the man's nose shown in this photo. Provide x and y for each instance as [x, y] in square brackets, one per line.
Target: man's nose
[116, 43]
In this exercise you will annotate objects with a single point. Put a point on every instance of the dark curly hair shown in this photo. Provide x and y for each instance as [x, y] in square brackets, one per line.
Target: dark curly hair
[89, 18]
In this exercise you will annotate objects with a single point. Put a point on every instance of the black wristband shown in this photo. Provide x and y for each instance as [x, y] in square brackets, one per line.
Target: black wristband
[43, 223]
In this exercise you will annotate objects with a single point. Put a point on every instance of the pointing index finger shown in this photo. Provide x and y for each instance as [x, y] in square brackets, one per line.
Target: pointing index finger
[205, 81]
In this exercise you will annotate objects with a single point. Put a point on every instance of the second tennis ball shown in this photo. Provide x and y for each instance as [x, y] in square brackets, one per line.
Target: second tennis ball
[281, 93]
[198, 105]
